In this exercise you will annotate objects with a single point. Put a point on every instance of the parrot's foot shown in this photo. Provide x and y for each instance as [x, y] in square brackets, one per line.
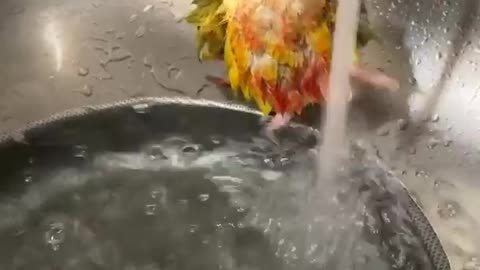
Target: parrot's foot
[217, 81]
[374, 78]
[278, 121]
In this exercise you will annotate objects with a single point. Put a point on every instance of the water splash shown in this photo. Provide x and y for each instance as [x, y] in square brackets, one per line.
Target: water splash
[55, 235]
[223, 195]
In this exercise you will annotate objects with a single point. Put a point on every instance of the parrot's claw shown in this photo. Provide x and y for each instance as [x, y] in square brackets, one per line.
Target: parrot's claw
[375, 78]
[278, 121]
[217, 81]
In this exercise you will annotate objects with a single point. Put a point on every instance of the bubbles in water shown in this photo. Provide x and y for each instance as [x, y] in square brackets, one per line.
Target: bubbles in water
[55, 235]
[271, 175]
[141, 108]
[80, 151]
[156, 153]
[182, 205]
[150, 209]
[28, 179]
[277, 161]
[203, 197]
[251, 193]
[191, 148]
[216, 140]
[193, 228]
[159, 194]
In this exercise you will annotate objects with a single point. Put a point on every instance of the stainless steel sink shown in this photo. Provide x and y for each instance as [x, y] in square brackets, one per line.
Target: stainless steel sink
[62, 54]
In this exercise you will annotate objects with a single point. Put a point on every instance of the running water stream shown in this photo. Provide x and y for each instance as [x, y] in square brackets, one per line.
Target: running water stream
[334, 146]
[336, 113]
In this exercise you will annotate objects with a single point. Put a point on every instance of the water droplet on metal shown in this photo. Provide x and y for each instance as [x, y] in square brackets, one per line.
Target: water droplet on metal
[448, 209]
[420, 173]
[147, 8]
[435, 118]
[447, 142]
[383, 131]
[104, 75]
[432, 143]
[412, 150]
[147, 62]
[173, 72]
[83, 71]
[440, 184]
[119, 55]
[402, 124]
[86, 90]
[439, 55]
[133, 17]
[140, 31]
[120, 35]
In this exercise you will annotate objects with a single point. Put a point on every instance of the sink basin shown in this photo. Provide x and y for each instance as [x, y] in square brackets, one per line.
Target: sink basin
[54, 56]
[177, 183]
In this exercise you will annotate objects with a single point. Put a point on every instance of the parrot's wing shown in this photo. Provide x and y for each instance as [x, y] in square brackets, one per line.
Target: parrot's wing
[209, 18]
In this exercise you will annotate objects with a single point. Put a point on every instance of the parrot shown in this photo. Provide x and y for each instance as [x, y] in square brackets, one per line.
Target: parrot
[277, 53]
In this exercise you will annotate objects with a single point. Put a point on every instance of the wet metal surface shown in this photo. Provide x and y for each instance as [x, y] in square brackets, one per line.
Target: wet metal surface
[62, 54]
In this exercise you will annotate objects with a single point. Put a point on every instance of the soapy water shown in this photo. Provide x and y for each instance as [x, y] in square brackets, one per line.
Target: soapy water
[178, 204]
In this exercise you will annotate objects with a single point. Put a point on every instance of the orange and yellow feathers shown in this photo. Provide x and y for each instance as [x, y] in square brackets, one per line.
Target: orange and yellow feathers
[277, 52]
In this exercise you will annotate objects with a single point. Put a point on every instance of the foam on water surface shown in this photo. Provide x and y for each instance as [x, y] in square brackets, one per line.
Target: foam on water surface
[179, 204]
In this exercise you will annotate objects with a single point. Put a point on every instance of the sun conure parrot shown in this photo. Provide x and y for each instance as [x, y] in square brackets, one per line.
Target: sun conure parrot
[277, 52]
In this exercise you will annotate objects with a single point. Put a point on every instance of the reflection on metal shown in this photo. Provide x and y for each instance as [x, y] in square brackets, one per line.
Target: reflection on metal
[53, 38]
